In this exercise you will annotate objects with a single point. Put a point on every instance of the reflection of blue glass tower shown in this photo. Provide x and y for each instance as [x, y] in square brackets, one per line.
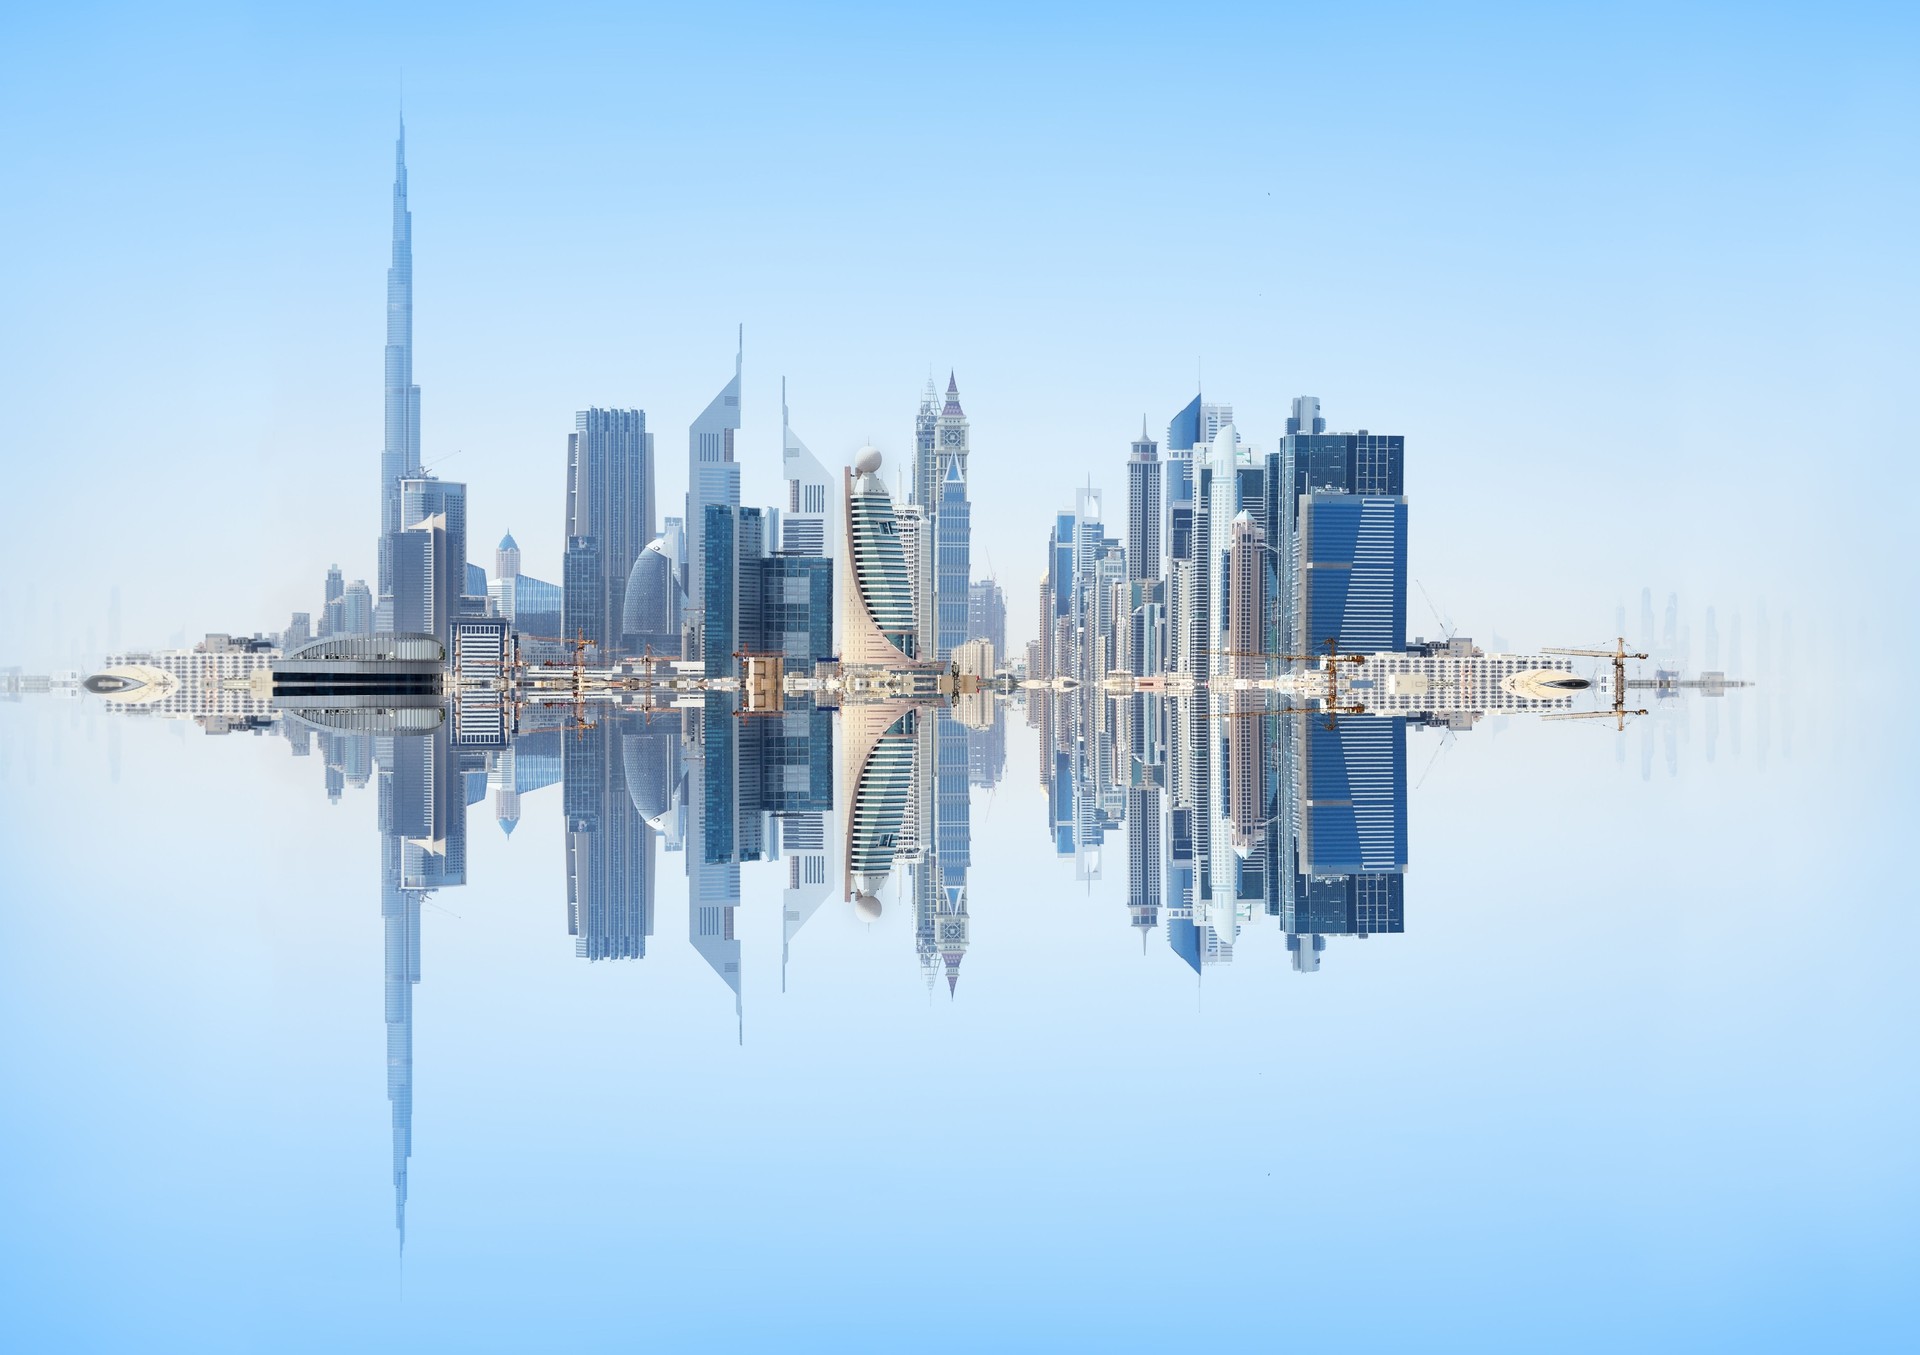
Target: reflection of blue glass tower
[1341, 864]
[609, 848]
[423, 846]
[719, 836]
[400, 447]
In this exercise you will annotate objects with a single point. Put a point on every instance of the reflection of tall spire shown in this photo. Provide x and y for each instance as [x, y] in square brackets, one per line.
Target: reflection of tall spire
[400, 923]
[400, 447]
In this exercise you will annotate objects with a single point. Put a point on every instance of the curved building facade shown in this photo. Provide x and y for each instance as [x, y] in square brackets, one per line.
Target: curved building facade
[876, 782]
[650, 614]
[878, 628]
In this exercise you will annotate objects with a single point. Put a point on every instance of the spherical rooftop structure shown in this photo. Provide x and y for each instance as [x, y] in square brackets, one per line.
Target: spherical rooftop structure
[866, 907]
[867, 460]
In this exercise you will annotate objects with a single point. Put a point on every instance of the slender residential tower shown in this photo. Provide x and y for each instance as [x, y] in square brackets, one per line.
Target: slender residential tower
[400, 449]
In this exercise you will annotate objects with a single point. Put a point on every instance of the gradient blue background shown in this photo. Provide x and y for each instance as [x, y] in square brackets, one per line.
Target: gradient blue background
[1637, 284]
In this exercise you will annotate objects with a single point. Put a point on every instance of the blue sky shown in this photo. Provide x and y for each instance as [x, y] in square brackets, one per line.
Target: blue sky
[1623, 278]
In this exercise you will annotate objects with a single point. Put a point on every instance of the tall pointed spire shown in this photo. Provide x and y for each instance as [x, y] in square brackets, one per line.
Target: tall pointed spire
[400, 443]
[952, 409]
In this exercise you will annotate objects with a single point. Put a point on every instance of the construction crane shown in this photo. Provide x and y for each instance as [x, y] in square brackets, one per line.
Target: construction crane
[1619, 713]
[1330, 703]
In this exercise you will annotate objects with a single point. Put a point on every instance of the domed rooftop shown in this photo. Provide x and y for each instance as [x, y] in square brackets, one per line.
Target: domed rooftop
[867, 460]
[508, 543]
[866, 907]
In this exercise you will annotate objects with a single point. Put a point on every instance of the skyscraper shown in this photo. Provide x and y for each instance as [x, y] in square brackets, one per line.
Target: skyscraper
[1184, 593]
[428, 556]
[913, 524]
[796, 609]
[1143, 507]
[952, 533]
[650, 621]
[330, 607]
[583, 583]
[1144, 567]
[1246, 597]
[610, 498]
[713, 477]
[876, 597]
[400, 449]
[736, 542]
[804, 523]
[1337, 514]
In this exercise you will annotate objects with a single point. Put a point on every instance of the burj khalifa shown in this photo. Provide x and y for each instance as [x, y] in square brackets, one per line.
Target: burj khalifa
[400, 451]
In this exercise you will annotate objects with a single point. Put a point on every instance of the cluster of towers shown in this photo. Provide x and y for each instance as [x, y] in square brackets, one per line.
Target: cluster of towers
[708, 585]
[1232, 566]
[1231, 560]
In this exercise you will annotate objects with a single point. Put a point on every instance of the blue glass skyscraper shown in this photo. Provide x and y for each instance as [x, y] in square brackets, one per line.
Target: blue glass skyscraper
[1337, 512]
[1341, 858]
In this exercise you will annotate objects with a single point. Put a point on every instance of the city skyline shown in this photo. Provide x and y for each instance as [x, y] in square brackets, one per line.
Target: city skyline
[1423, 374]
[1392, 687]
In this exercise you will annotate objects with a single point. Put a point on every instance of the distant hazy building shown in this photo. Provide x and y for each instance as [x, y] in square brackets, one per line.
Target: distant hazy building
[610, 497]
[531, 605]
[987, 614]
[299, 630]
[331, 604]
[356, 609]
